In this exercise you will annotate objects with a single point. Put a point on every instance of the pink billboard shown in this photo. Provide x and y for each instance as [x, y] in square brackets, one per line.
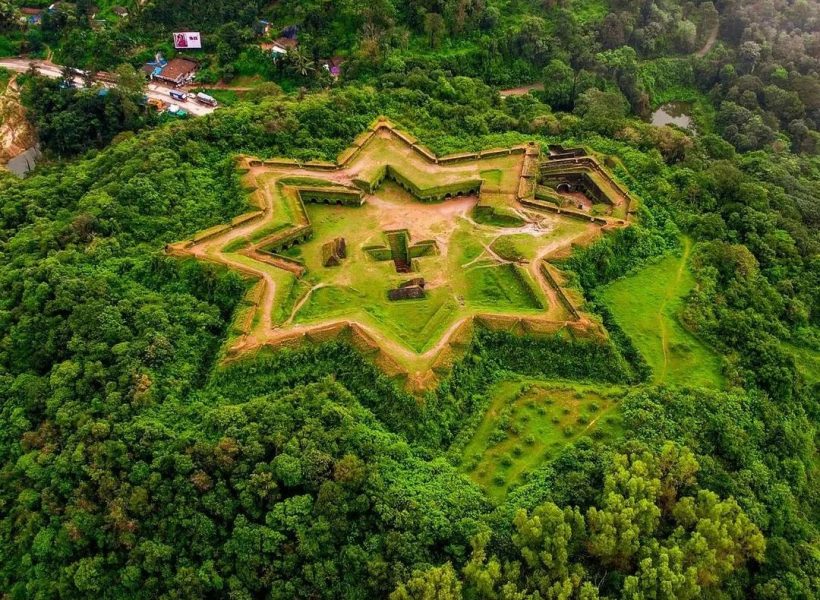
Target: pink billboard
[187, 39]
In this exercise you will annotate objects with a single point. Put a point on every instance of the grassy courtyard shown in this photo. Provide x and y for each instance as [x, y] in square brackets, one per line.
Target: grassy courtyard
[462, 279]
[528, 422]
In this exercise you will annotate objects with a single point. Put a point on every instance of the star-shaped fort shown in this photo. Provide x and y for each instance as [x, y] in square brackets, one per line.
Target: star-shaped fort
[402, 253]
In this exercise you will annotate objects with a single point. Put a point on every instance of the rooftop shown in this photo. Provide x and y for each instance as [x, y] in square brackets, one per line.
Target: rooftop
[178, 67]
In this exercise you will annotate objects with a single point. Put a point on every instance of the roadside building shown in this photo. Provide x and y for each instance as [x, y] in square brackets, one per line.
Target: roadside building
[106, 77]
[32, 16]
[154, 66]
[176, 72]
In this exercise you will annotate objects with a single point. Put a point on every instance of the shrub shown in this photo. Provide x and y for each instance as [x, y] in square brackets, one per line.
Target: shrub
[497, 436]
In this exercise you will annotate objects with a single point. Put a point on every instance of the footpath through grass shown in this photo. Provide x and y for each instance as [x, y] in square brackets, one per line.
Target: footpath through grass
[646, 306]
[527, 424]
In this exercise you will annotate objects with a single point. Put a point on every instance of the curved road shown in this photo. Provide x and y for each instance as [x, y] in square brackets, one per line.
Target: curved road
[49, 69]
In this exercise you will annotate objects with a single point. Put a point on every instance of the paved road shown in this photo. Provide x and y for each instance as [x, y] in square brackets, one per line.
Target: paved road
[48, 69]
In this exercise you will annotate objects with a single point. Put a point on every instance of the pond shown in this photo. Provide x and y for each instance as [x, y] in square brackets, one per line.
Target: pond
[674, 113]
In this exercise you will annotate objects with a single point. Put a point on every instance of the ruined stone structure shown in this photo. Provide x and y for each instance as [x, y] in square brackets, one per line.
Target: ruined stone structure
[333, 252]
[409, 290]
[400, 251]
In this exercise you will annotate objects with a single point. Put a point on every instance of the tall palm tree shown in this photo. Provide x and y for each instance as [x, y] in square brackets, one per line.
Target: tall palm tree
[300, 63]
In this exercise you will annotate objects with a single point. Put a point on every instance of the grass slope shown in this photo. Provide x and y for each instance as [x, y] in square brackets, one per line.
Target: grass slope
[646, 306]
[527, 424]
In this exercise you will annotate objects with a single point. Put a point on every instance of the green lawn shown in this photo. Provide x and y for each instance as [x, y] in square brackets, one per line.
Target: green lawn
[527, 424]
[646, 306]
[499, 287]
[330, 301]
[463, 279]
[491, 177]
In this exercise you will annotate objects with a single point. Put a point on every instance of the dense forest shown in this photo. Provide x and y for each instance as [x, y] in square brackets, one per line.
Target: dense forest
[134, 464]
[758, 83]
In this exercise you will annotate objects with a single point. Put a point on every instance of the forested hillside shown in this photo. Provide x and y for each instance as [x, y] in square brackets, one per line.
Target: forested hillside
[136, 462]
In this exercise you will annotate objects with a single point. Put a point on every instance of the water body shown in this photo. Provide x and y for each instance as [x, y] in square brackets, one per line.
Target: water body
[21, 164]
[674, 113]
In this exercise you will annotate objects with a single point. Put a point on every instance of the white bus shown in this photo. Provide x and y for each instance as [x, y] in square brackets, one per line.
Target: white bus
[206, 99]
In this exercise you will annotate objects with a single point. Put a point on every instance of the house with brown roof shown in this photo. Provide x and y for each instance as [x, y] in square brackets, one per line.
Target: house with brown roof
[178, 71]
[33, 16]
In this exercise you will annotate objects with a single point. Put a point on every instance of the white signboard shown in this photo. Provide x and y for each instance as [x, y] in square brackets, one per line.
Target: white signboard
[187, 39]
